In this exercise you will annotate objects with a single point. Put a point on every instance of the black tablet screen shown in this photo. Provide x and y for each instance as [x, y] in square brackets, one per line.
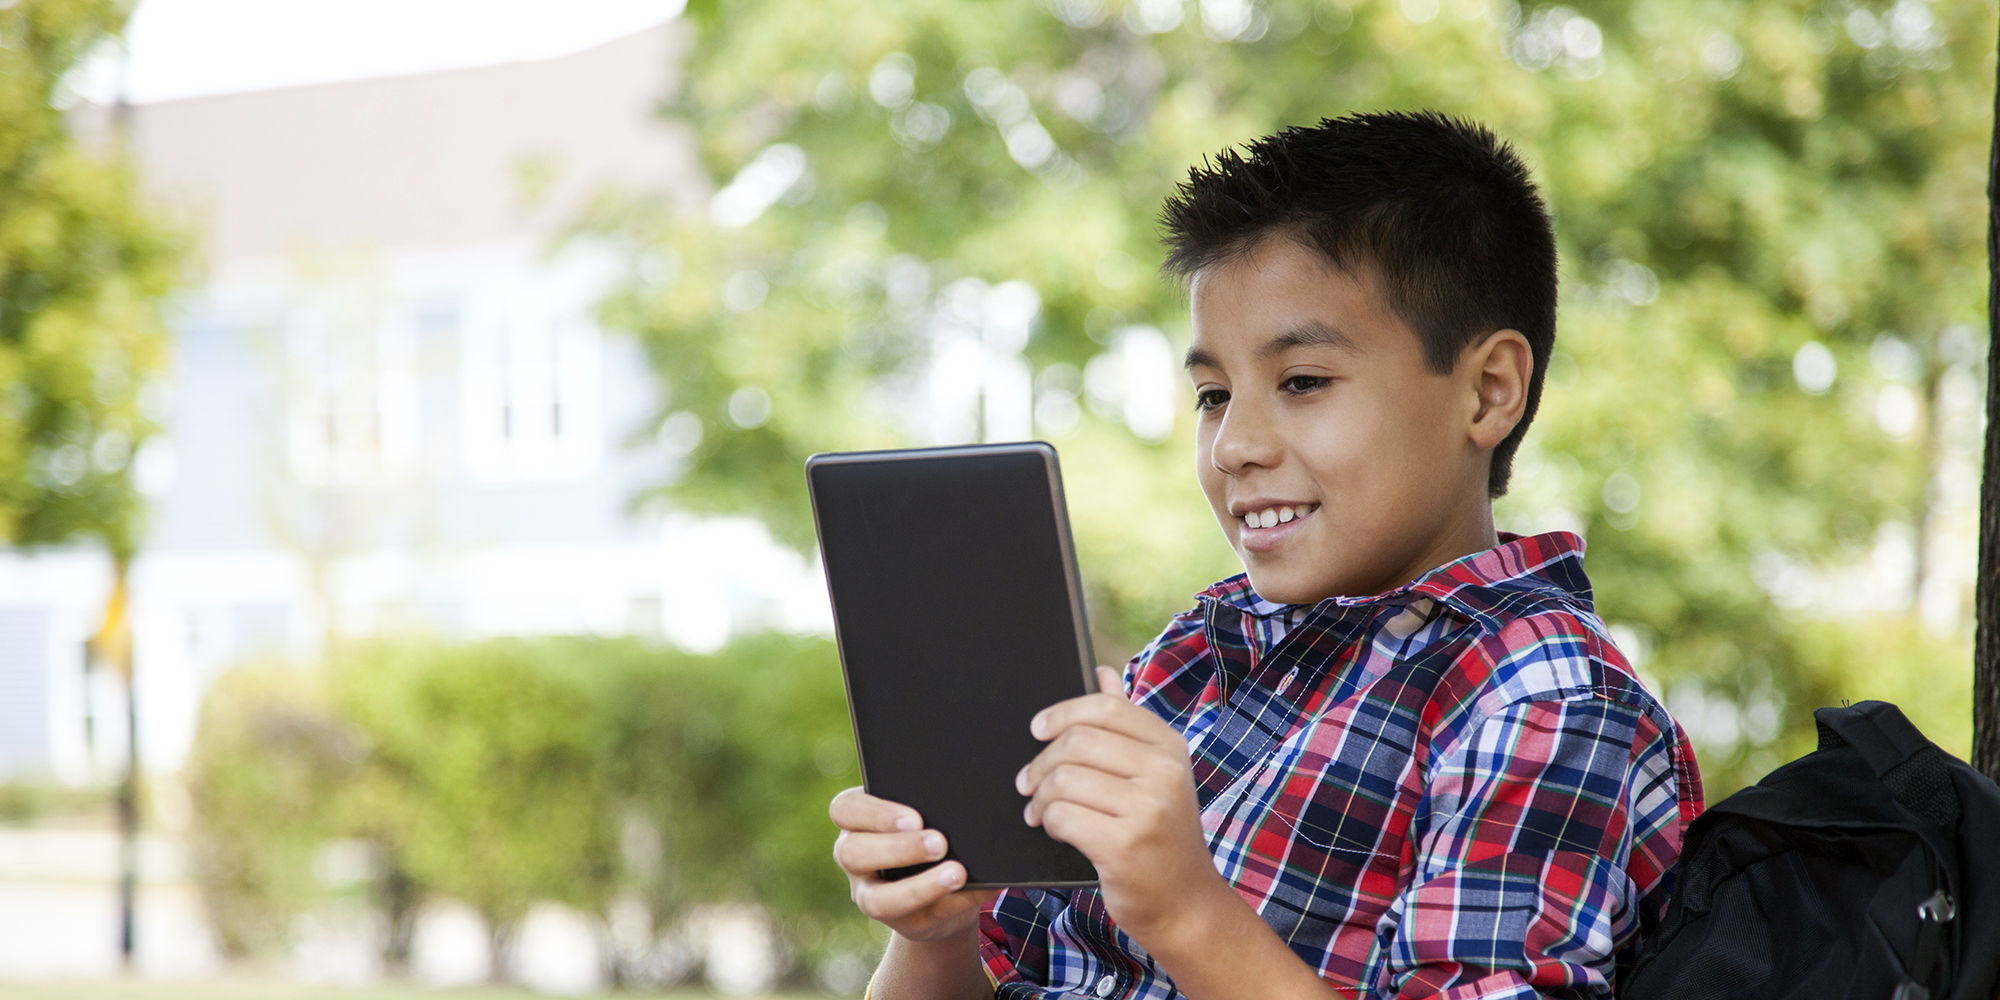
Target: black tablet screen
[958, 617]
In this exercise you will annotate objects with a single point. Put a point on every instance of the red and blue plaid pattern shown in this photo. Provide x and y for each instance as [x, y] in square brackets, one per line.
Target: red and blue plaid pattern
[1455, 789]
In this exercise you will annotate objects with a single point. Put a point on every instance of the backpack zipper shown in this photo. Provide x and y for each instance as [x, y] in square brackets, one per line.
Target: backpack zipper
[1933, 916]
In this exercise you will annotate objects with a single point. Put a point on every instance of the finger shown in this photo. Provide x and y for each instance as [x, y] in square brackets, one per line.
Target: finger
[867, 853]
[1105, 711]
[854, 809]
[924, 921]
[1080, 827]
[1088, 787]
[1110, 680]
[887, 901]
[1087, 746]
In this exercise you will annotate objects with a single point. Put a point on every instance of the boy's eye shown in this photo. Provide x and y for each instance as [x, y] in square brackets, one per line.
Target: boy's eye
[1299, 385]
[1209, 399]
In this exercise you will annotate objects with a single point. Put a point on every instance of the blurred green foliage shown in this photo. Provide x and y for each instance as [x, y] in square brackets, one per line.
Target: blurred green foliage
[84, 265]
[20, 802]
[508, 772]
[1770, 218]
[735, 756]
[268, 761]
[486, 771]
[30, 801]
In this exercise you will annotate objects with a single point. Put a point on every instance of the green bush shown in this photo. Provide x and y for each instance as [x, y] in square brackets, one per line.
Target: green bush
[486, 773]
[510, 771]
[268, 758]
[734, 757]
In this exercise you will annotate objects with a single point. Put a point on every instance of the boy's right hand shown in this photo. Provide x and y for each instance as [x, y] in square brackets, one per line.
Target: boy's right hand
[877, 834]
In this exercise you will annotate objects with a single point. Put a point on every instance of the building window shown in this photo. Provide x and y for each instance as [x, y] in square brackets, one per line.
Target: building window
[531, 394]
[354, 413]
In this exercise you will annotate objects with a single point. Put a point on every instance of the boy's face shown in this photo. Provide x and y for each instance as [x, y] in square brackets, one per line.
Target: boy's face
[1319, 415]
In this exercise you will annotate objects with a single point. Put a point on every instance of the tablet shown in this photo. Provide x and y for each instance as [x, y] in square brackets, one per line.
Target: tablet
[958, 615]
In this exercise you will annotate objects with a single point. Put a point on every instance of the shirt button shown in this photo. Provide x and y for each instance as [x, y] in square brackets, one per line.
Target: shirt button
[1106, 985]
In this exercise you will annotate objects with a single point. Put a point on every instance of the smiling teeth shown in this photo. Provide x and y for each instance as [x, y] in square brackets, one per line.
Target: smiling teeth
[1271, 517]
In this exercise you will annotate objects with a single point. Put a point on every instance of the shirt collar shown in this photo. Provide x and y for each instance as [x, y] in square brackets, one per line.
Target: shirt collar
[1476, 586]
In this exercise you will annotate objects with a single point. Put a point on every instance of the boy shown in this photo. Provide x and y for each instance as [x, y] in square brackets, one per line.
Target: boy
[1399, 757]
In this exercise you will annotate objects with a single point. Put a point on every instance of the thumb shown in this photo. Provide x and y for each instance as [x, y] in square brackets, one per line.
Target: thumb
[1110, 680]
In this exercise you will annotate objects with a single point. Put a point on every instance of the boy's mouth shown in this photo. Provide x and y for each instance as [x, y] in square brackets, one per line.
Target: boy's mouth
[1271, 517]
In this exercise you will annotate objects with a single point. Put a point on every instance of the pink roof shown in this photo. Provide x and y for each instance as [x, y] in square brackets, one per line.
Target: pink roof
[424, 160]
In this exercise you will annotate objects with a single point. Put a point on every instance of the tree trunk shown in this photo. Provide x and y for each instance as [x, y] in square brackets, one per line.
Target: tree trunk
[1986, 648]
[398, 896]
[501, 936]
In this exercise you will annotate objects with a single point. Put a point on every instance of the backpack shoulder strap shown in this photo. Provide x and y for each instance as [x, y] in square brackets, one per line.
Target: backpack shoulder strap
[1914, 770]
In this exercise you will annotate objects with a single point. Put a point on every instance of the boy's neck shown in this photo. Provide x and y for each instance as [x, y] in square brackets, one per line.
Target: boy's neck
[1472, 532]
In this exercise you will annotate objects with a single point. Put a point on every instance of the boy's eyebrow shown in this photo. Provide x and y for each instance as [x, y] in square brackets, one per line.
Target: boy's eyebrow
[1306, 333]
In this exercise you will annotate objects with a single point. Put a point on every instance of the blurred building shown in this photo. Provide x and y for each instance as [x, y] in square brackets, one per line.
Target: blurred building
[392, 407]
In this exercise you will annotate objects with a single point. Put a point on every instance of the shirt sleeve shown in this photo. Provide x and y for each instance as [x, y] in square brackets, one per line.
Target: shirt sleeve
[1523, 881]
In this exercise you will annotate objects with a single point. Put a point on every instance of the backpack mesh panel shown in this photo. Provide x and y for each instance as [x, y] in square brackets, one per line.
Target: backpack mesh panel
[1923, 785]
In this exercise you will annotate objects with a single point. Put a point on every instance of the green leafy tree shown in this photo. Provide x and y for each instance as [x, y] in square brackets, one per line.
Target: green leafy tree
[84, 265]
[1769, 216]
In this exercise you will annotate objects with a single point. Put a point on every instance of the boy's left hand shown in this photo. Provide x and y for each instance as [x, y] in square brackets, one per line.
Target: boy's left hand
[1115, 783]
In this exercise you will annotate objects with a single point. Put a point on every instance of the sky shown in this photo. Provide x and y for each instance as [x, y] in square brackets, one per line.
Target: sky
[189, 48]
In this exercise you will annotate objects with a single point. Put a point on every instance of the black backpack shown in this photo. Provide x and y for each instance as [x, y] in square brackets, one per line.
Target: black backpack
[1869, 868]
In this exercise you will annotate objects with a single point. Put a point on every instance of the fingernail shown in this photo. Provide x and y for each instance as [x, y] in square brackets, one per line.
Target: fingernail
[947, 875]
[934, 844]
[1028, 814]
[906, 823]
[1021, 780]
[1039, 725]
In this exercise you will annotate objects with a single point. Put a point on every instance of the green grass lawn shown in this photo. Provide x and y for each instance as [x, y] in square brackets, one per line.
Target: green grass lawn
[272, 989]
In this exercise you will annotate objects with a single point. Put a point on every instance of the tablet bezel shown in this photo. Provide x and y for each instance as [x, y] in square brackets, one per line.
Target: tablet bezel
[1080, 624]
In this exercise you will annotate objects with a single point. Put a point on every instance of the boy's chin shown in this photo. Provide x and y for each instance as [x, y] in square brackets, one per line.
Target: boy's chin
[1279, 587]
[1309, 584]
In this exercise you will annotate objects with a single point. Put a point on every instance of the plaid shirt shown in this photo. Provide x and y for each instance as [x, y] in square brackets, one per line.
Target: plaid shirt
[1457, 788]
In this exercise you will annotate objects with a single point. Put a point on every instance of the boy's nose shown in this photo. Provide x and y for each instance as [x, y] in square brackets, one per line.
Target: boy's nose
[1244, 440]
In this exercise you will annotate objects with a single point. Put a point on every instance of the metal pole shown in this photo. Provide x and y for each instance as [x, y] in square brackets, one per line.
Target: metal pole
[112, 645]
[128, 822]
[128, 789]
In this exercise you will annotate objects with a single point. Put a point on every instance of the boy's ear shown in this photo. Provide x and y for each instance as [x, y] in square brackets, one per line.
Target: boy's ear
[1501, 365]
